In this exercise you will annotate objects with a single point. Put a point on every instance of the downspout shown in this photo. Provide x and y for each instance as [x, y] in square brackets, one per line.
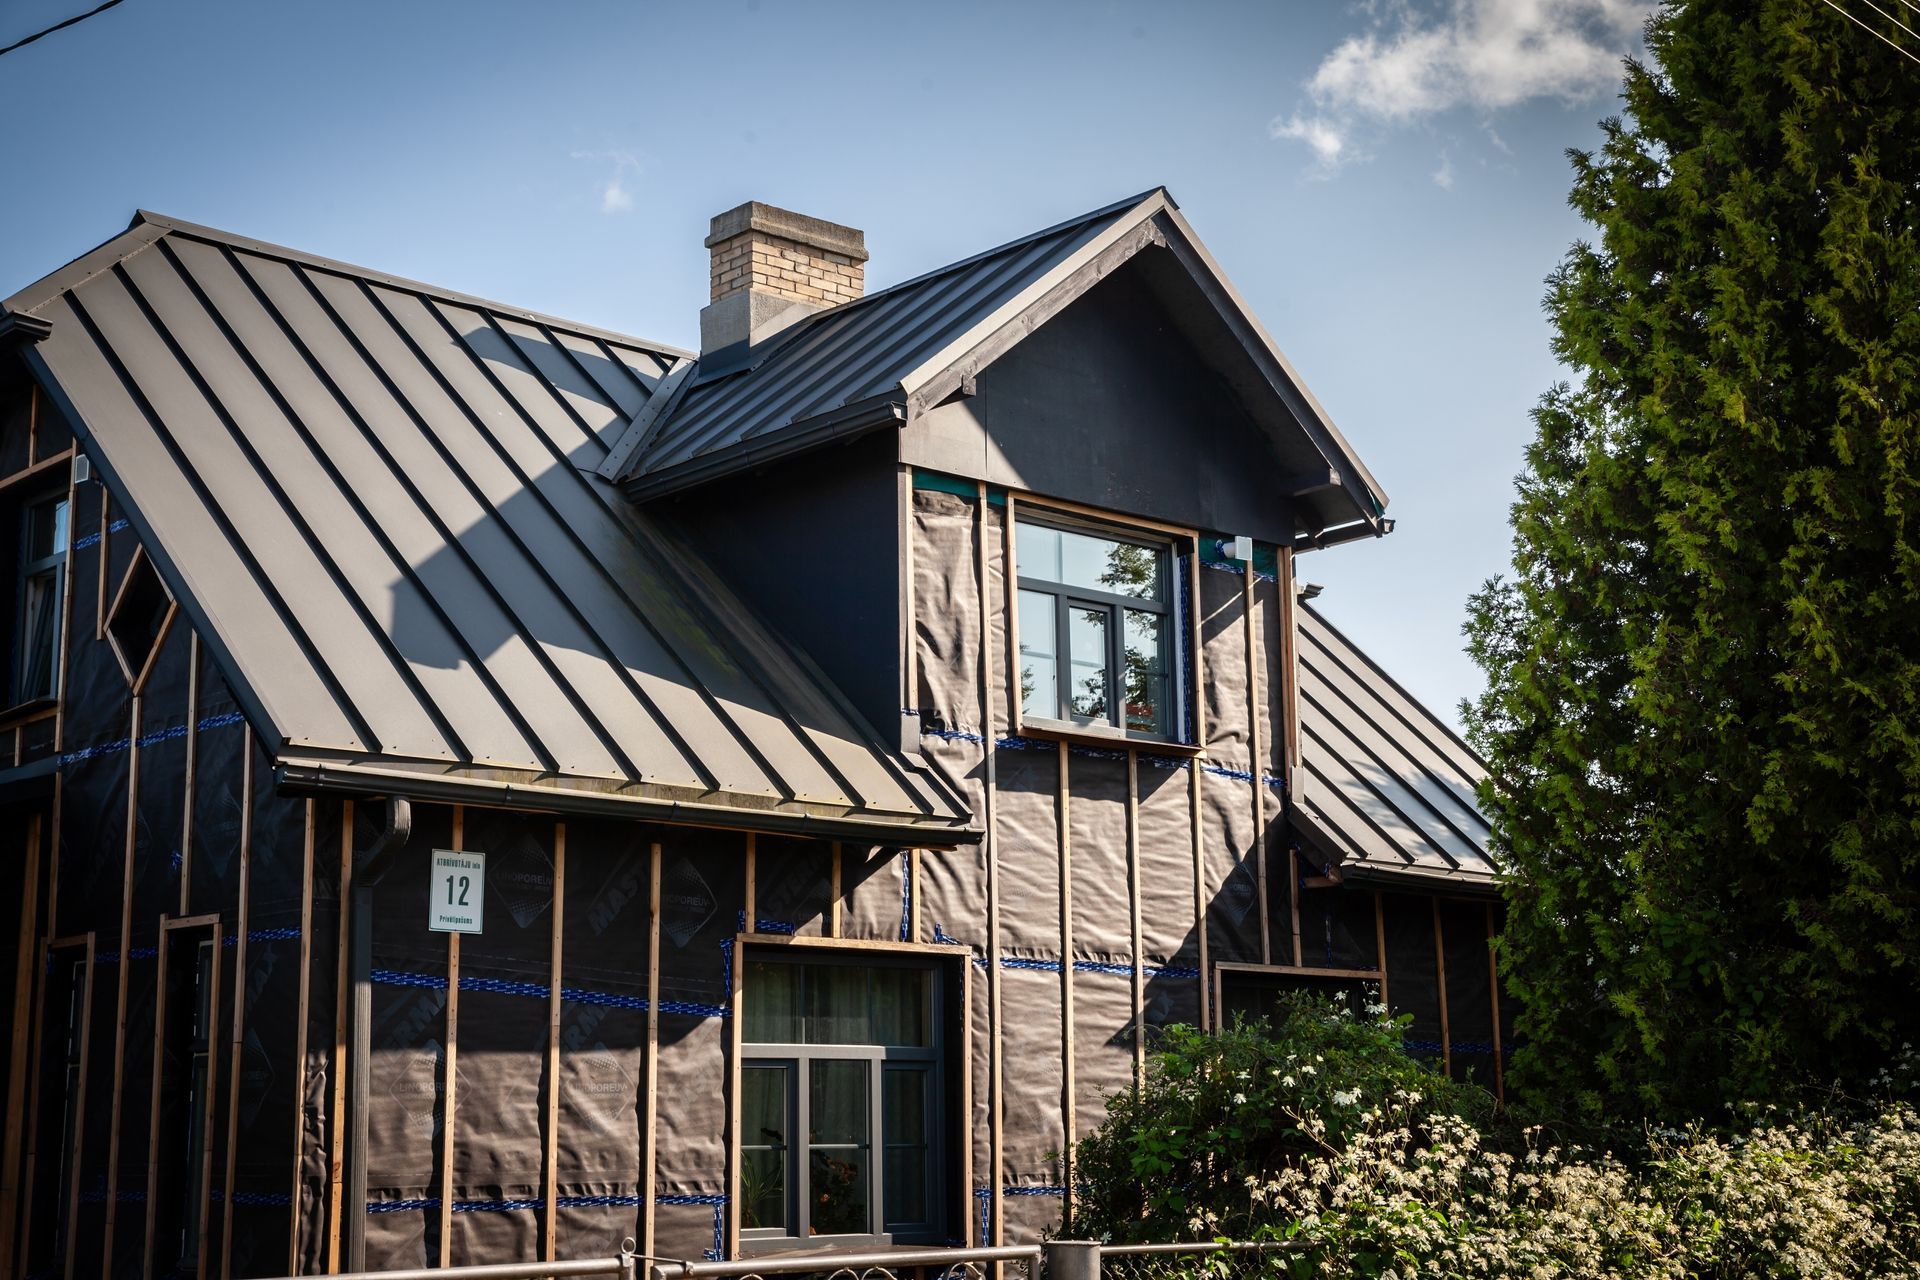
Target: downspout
[367, 873]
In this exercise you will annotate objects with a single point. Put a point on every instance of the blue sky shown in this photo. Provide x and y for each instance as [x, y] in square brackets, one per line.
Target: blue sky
[1385, 182]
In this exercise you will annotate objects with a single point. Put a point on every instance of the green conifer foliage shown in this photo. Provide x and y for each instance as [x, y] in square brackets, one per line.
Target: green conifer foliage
[1703, 708]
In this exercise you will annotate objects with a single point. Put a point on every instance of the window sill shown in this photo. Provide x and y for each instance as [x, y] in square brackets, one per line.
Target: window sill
[1094, 736]
[773, 1246]
[27, 712]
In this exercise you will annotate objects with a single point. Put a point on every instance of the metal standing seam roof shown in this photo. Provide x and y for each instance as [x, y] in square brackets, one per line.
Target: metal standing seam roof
[378, 502]
[866, 362]
[1383, 785]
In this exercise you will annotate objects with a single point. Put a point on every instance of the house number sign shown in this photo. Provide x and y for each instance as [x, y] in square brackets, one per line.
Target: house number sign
[458, 891]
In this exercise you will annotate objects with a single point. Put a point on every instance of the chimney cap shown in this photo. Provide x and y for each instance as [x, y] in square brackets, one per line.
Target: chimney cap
[788, 225]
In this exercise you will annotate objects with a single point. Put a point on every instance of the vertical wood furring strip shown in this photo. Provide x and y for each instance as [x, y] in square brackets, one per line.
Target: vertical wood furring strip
[125, 968]
[749, 922]
[1293, 897]
[239, 1001]
[1256, 716]
[1134, 890]
[910, 624]
[202, 1256]
[1289, 661]
[1493, 994]
[300, 1034]
[1067, 1073]
[100, 604]
[551, 1192]
[193, 749]
[996, 1087]
[1016, 709]
[33, 424]
[1380, 946]
[24, 1032]
[1199, 886]
[833, 907]
[1440, 974]
[913, 895]
[650, 1148]
[734, 999]
[450, 1069]
[337, 1110]
[153, 1099]
[80, 1104]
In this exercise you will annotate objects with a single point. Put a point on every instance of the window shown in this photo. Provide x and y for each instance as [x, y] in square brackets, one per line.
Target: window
[840, 1115]
[43, 555]
[1096, 630]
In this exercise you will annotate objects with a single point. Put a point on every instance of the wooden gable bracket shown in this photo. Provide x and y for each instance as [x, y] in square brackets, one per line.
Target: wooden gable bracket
[134, 592]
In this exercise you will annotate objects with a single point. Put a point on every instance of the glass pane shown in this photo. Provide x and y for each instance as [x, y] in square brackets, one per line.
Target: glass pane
[1087, 663]
[1146, 671]
[773, 1003]
[763, 1145]
[1036, 552]
[46, 529]
[1039, 664]
[1123, 568]
[837, 1006]
[904, 1127]
[900, 1007]
[841, 1148]
[38, 638]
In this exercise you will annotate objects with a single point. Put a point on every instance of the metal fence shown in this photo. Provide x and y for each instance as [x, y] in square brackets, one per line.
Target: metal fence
[1054, 1260]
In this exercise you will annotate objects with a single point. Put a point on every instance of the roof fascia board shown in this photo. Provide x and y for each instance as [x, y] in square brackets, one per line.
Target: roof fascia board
[1288, 385]
[178, 581]
[996, 334]
[855, 419]
[646, 422]
[102, 257]
[305, 775]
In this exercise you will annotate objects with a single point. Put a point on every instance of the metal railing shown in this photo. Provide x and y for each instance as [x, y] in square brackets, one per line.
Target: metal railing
[1057, 1259]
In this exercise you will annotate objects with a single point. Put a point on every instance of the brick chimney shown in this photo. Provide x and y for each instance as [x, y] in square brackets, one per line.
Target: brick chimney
[772, 267]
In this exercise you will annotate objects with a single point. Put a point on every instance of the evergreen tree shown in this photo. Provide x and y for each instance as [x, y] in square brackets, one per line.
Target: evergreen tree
[1703, 711]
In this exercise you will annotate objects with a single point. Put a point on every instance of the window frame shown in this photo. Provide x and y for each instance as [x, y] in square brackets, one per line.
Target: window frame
[1177, 648]
[24, 572]
[799, 1058]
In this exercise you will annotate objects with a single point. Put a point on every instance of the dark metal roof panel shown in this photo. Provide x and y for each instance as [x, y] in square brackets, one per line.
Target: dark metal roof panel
[1383, 783]
[858, 350]
[380, 504]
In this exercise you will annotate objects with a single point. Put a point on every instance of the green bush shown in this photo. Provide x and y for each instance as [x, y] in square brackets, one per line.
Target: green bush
[1218, 1112]
[1321, 1137]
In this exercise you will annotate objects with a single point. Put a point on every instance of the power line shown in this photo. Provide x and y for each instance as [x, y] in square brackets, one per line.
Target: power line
[1898, 48]
[58, 26]
[1890, 18]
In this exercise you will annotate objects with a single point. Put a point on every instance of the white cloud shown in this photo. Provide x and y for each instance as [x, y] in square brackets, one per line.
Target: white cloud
[1415, 61]
[1443, 176]
[615, 196]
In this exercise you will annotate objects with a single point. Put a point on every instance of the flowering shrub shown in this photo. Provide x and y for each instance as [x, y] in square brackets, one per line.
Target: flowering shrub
[1371, 1165]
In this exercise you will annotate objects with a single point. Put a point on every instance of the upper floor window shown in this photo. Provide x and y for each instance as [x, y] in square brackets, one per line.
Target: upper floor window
[43, 556]
[1096, 629]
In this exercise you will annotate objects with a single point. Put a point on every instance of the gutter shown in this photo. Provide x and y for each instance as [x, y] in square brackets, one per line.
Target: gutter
[312, 778]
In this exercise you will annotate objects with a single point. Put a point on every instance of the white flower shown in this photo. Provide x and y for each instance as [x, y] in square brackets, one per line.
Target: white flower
[1239, 1099]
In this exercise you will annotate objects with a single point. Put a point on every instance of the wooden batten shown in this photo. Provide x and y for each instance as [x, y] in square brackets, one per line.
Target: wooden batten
[125, 968]
[1293, 900]
[910, 621]
[24, 1035]
[735, 998]
[242, 917]
[913, 895]
[833, 904]
[203, 1259]
[650, 1148]
[1137, 932]
[1067, 1074]
[1440, 976]
[337, 1107]
[1380, 945]
[1289, 659]
[996, 1088]
[1256, 718]
[100, 585]
[35, 470]
[1199, 893]
[551, 1192]
[80, 1102]
[1010, 561]
[163, 962]
[192, 749]
[300, 1035]
[450, 1071]
[750, 922]
[1493, 995]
